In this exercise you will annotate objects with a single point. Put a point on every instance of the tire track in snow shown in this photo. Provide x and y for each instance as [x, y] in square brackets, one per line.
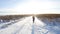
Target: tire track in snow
[25, 27]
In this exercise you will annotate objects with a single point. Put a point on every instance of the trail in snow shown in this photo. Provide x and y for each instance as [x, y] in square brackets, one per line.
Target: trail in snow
[26, 26]
[22, 27]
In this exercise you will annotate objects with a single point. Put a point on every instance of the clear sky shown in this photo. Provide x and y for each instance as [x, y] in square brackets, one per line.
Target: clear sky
[29, 6]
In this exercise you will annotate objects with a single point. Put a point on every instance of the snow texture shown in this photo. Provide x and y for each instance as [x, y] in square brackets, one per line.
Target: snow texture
[26, 26]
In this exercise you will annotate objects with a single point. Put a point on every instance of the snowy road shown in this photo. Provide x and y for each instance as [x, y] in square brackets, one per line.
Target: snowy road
[21, 27]
[26, 26]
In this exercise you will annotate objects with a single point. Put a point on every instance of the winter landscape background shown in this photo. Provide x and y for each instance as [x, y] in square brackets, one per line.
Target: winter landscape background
[43, 24]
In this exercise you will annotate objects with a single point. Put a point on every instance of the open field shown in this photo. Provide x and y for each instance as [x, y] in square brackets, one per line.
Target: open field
[48, 15]
[12, 17]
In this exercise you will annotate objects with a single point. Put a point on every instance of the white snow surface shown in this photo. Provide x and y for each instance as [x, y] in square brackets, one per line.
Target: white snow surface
[26, 26]
[21, 27]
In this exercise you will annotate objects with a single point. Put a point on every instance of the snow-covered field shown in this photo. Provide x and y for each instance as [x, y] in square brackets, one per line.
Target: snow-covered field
[46, 27]
[26, 26]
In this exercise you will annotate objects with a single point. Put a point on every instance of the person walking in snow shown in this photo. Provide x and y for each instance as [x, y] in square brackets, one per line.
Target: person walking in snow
[33, 19]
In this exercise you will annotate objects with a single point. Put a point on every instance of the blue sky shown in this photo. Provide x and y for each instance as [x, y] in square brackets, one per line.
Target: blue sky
[9, 3]
[29, 6]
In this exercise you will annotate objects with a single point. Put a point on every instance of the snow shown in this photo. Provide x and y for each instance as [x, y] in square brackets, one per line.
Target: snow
[26, 26]
[46, 27]
[20, 27]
